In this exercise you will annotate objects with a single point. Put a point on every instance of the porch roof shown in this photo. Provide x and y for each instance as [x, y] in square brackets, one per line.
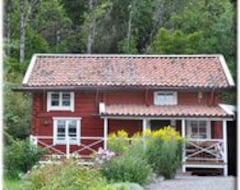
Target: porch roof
[167, 111]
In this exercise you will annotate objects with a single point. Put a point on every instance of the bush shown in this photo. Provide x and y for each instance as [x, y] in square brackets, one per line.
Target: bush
[66, 176]
[164, 151]
[118, 142]
[129, 167]
[20, 157]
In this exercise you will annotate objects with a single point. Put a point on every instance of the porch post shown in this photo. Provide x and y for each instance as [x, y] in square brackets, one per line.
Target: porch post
[105, 132]
[144, 127]
[183, 148]
[225, 158]
[33, 140]
[68, 147]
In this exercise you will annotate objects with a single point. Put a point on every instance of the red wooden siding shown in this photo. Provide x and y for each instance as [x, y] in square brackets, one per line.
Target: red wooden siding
[125, 98]
[191, 98]
[86, 107]
[146, 97]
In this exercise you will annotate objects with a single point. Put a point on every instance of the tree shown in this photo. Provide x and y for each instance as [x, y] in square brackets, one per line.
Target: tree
[25, 10]
[177, 42]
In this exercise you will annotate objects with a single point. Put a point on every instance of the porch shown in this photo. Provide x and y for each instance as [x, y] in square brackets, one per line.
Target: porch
[203, 127]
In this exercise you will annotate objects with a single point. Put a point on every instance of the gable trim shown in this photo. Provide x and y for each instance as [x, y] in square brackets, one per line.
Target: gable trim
[226, 70]
[29, 70]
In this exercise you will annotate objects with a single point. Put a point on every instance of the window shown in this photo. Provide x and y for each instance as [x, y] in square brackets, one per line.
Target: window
[66, 129]
[165, 98]
[60, 101]
[199, 129]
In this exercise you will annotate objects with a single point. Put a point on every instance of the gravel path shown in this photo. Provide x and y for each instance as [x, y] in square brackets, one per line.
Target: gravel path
[194, 183]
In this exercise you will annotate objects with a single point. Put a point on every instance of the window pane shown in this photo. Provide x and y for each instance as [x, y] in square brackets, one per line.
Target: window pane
[202, 123]
[66, 95]
[66, 98]
[202, 129]
[61, 132]
[61, 129]
[167, 98]
[55, 99]
[61, 123]
[72, 128]
[198, 129]
[66, 103]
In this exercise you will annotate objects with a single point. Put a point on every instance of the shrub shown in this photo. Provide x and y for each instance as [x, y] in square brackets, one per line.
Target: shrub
[66, 176]
[118, 142]
[163, 151]
[129, 167]
[20, 157]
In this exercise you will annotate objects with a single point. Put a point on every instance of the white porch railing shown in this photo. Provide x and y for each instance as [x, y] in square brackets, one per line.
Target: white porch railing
[90, 145]
[204, 150]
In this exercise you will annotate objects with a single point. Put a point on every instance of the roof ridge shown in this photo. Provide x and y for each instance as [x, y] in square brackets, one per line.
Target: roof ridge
[129, 55]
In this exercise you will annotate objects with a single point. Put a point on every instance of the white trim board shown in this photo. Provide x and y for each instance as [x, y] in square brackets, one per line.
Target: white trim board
[226, 70]
[30, 68]
[230, 109]
[166, 118]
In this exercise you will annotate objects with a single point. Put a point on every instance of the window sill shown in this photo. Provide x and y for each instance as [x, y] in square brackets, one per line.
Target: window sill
[63, 142]
[60, 109]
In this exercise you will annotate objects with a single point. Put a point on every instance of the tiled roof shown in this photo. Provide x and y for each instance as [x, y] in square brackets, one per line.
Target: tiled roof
[204, 71]
[166, 111]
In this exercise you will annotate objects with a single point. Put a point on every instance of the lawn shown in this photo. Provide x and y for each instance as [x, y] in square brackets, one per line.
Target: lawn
[12, 184]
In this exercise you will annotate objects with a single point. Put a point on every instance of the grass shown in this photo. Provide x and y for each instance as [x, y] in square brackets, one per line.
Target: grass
[11, 184]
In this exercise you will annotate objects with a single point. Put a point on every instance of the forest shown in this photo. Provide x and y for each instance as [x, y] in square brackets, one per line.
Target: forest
[107, 26]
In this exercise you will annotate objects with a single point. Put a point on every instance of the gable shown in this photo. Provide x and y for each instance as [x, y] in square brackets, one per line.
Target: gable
[205, 71]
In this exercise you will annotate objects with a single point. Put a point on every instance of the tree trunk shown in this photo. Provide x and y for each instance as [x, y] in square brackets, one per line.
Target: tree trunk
[22, 31]
[7, 31]
[91, 28]
[130, 25]
[24, 13]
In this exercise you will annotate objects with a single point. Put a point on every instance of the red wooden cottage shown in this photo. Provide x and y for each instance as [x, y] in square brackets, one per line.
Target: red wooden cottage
[79, 99]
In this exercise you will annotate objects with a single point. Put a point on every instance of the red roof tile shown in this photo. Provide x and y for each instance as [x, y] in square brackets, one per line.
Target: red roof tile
[166, 111]
[127, 70]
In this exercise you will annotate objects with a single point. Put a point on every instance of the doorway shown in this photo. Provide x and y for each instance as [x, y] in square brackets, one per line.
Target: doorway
[159, 124]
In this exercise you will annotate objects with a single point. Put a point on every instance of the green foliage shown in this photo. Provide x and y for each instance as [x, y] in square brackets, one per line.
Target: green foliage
[128, 46]
[66, 176]
[215, 19]
[129, 167]
[11, 184]
[164, 157]
[20, 157]
[17, 112]
[176, 42]
[118, 142]
[163, 151]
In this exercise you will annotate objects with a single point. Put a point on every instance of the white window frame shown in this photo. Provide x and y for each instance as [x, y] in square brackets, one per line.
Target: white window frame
[60, 107]
[156, 99]
[76, 141]
[189, 129]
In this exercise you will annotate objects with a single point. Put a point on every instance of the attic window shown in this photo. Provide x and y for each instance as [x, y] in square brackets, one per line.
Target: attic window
[60, 101]
[165, 98]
